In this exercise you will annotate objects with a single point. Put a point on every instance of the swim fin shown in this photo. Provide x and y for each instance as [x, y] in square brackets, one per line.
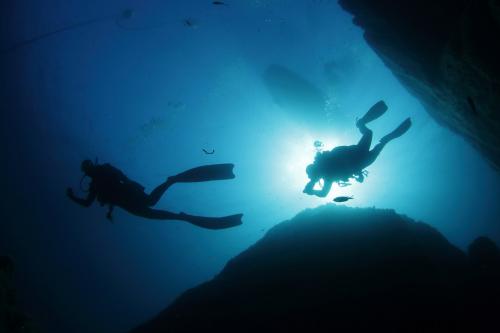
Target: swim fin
[213, 223]
[206, 173]
[200, 221]
[400, 130]
[377, 110]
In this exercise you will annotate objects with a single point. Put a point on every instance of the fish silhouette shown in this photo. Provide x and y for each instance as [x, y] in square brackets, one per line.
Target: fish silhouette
[343, 199]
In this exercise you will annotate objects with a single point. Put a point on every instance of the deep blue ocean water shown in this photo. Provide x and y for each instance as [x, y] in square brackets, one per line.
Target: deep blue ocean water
[147, 92]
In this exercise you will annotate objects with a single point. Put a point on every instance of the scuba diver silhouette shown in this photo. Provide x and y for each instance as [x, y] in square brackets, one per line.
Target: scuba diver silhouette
[111, 187]
[345, 162]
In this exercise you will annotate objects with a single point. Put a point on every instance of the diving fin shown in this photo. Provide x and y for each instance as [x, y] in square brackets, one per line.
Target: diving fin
[377, 110]
[213, 223]
[206, 173]
[400, 130]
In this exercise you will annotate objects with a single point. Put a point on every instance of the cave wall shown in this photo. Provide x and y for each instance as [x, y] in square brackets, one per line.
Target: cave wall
[446, 53]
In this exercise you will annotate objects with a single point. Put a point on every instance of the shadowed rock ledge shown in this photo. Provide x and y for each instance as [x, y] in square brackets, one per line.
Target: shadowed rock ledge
[338, 268]
[445, 52]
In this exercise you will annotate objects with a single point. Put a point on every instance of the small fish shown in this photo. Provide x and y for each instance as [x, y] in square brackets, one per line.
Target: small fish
[208, 152]
[176, 104]
[190, 23]
[127, 13]
[343, 199]
[219, 3]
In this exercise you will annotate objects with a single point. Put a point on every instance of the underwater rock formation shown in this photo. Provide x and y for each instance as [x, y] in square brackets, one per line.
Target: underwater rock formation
[336, 268]
[446, 54]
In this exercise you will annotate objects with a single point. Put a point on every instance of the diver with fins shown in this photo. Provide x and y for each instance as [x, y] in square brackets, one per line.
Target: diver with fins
[345, 162]
[111, 187]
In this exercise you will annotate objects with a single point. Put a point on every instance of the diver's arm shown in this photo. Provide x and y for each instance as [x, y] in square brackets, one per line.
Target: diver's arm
[82, 202]
[308, 189]
[324, 191]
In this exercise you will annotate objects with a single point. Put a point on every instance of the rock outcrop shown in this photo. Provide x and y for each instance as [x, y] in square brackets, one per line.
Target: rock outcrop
[445, 52]
[336, 269]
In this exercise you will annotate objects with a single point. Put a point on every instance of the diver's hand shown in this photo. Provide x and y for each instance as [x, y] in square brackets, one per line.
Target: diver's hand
[308, 189]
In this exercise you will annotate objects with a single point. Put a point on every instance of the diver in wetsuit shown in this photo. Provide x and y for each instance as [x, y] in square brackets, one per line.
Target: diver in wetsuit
[111, 187]
[345, 162]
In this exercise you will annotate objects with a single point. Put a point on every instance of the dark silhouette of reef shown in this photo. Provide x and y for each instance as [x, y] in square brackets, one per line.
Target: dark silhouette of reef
[343, 269]
[445, 52]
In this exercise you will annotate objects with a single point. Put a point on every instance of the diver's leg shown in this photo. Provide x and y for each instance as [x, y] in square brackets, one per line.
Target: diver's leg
[400, 130]
[156, 194]
[366, 140]
[373, 154]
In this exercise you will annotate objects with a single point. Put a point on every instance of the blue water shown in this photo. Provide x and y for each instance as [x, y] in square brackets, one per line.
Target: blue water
[147, 94]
